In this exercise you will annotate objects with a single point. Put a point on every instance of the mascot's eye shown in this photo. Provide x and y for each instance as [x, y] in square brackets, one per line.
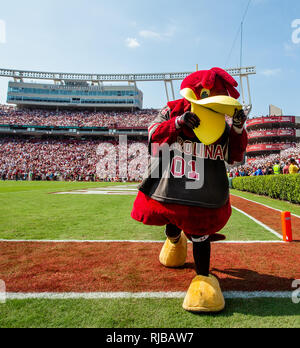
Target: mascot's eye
[205, 93]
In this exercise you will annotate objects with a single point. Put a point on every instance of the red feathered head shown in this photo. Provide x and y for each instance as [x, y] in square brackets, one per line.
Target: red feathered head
[207, 83]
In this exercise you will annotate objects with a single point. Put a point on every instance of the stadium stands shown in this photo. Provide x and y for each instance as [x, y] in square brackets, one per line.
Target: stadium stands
[36, 157]
[35, 117]
[53, 157]
[272, 134]
[27, 158]
[267, 162]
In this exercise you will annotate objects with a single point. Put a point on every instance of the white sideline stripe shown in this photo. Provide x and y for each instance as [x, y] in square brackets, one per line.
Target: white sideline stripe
[259, 223]
[141, 295]
[132, 241]
[251, 242]
[264, 205]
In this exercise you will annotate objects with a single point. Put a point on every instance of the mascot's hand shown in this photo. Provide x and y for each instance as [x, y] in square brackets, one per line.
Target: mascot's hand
[189, 120]
[239, 119]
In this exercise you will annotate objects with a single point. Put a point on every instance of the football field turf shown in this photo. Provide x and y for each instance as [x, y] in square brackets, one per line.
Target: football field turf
[33, 212]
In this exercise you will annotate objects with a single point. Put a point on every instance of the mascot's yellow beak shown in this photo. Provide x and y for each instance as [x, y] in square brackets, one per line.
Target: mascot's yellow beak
[211, 112]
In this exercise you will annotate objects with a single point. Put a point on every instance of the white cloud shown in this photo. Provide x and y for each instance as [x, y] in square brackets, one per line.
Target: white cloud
[271, 72]
[132, 43]
[154, 35]
[171, 31]
[148, 34]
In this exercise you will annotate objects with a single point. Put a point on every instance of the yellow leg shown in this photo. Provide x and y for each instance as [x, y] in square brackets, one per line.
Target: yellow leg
[204, 295]
[174, 255]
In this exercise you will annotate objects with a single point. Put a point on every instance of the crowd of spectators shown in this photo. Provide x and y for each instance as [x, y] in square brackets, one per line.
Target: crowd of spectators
[274, 127]
[69, 160]
[25, 158]
[110, 119]
[275, 141]
[287, 162]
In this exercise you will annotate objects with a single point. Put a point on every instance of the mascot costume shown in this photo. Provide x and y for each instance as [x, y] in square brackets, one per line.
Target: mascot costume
[197, 125]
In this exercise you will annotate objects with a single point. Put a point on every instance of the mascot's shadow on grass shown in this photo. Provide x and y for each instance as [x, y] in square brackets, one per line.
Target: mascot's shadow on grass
[197, 125]
[249, 280]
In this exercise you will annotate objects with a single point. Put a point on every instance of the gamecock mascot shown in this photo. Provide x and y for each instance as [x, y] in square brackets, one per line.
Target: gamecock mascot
[186, 188]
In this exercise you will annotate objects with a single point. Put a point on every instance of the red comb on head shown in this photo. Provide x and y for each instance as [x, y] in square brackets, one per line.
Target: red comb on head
[209, 79]
[225, 76]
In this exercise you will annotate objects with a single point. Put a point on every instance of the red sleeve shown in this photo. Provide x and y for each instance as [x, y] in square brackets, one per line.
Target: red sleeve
[165, 132]
[237, 146]
[163, 129]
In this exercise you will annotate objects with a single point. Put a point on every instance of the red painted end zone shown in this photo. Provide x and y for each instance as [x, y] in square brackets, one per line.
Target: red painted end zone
[134, 267]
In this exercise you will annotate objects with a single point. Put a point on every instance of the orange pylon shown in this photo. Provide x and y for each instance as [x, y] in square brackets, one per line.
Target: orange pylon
[286, 220]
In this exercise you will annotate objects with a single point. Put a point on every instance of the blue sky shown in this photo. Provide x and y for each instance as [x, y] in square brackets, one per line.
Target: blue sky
[96, 36]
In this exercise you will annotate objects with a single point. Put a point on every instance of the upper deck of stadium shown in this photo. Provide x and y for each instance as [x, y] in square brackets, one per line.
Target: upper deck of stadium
[79, 90]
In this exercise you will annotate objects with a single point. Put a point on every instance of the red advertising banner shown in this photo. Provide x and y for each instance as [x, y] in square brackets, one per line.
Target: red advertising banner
[271, 119]
[268, 147]
[272, 133]
[250, 160]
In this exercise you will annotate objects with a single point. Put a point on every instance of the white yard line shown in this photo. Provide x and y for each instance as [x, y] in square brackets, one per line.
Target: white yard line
[141, 295]
[131, 241]
[264, 205]
[113, 191]
[259, 223]
[252, 242]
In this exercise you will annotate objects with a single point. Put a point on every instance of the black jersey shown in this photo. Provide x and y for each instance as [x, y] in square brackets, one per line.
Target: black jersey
[188, 172]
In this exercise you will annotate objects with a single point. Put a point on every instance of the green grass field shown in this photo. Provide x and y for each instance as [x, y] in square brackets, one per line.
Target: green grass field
[29, 211]
[277, 204]
[147, 313]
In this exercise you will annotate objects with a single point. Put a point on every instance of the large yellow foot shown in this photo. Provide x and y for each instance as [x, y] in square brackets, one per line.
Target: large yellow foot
[174, 255]
[204, 295]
